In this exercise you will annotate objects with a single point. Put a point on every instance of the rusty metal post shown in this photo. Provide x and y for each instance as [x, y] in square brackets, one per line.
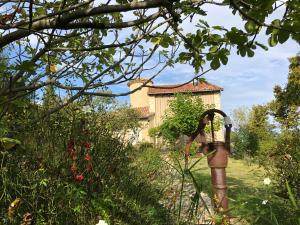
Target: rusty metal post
[218, 161]
[217, 158]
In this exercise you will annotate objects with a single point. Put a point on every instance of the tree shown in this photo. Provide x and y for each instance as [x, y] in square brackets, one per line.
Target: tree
[253, 134]
[84, 47]
[244, 142]
[285, 107]
[183, 116]
[285, 110]
[274, 141]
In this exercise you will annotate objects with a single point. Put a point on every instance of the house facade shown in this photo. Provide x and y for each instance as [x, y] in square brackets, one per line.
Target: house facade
[152, 102]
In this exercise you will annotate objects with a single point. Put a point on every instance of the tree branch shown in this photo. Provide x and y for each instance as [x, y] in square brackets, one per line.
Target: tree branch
[244, 14]
[96, 25]
[78, 14]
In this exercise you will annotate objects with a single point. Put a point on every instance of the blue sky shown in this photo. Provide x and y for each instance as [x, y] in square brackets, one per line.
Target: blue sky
[246, 81]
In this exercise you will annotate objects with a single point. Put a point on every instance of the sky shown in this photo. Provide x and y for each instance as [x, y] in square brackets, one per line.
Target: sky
[246, 81]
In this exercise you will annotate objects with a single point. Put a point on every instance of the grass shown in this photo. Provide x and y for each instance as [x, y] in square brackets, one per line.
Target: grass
[246, 190]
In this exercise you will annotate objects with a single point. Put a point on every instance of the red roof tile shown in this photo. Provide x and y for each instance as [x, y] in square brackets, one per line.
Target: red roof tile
[143, 112]
[190, 87]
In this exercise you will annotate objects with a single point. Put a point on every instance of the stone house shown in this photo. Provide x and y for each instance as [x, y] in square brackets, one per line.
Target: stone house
[152, 102]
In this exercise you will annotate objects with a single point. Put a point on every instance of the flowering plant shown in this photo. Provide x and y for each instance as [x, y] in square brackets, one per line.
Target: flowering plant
[73, 152]
[267, 181]
[101, 222]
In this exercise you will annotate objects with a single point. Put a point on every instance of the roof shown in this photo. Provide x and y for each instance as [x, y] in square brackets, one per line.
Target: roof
[190, 87]
[143, 112]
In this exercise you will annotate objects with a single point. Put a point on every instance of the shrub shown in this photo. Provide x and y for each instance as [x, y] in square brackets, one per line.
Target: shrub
[285, 165]
[75, 168]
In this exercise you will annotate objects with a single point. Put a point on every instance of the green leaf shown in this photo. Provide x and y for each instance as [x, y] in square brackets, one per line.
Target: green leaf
[250, 53]
[155, 40]
[209, 56]
[237, 36]
[27, 66]
[242, 51]
[283, 36]
[262, 46]
[198, 190]
[164, 43]
[219, 28]
[204, 23]
[267, 4]
[273, 40]
[40, 11]
[184, 57]
[20, 103]
[291, 196]
[213, 49]
[44, 182]
[215, 64]
[224, 59]
[8, 143]
[276, 22]
[269, 30]
[126, 50]
[250, 26]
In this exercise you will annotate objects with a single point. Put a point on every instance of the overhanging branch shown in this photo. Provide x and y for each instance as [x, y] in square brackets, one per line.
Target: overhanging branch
[66, 19]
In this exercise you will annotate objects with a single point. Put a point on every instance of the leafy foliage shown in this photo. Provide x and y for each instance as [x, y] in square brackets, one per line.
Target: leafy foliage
[275, 145]
[285, 109]
[286, 106]
[83, 48]
[253, 134]
[182, 117]
[76, 168]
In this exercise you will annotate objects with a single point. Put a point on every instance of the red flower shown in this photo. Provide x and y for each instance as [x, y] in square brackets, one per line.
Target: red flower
[87, 145]
[87, 157]
[79, 178]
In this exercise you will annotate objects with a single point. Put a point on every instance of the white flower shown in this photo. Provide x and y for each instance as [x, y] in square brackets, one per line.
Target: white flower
[264, 202]
[101, 222]
[267, 181]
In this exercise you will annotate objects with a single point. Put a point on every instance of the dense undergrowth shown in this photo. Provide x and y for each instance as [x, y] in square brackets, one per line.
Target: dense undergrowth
[78, 166]
[74, 167]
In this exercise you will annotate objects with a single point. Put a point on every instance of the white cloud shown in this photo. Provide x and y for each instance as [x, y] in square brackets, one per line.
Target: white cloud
[246, 81]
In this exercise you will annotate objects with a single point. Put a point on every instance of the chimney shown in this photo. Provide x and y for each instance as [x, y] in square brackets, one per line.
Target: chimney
[140, 97]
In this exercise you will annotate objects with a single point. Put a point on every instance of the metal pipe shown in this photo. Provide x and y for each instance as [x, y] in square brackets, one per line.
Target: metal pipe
[217, 160]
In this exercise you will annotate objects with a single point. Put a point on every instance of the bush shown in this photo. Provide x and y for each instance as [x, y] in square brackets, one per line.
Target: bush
[75, 168]
[253, 134]
[285, 163]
